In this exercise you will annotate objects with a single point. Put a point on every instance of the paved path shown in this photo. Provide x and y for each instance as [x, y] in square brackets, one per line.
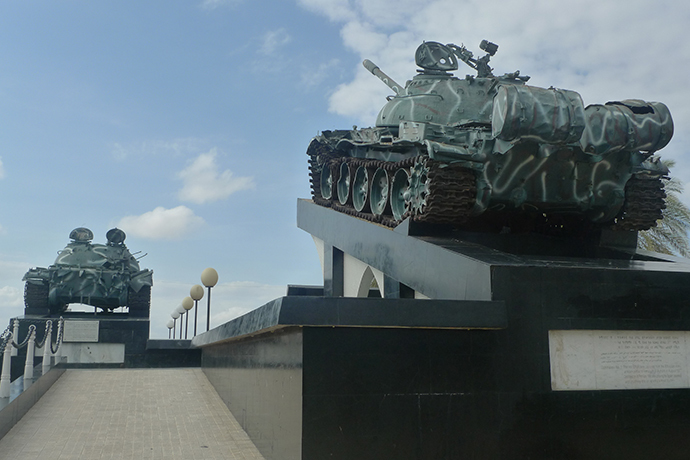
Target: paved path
[129, 414]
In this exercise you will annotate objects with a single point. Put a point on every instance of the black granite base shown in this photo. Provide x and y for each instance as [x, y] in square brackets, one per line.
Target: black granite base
[171, 353]
[318, 378]
[314, 377]
[333, 378]
[112, 328]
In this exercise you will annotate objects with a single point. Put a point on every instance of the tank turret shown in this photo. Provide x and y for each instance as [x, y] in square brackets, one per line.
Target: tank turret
[105, 276]
[493, 153]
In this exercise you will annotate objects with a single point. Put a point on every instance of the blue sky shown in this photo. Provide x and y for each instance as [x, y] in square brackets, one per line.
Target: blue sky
[185, 122]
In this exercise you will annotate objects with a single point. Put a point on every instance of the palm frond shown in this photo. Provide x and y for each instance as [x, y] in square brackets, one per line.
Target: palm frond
[670, 236]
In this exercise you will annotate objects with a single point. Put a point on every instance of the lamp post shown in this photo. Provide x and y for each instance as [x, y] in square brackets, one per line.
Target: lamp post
[181, 311]
[209, 278]
[170, 325]
[196, 293]
[187, 304]
[175, 314]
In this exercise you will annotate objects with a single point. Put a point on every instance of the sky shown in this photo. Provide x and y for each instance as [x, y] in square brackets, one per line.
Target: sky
[185, 122]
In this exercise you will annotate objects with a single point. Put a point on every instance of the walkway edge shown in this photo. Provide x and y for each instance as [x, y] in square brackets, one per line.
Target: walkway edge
[18, 407]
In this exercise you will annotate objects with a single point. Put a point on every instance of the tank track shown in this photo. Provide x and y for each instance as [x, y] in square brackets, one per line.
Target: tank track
[644, 205]
[36, 295]
[452, 193]
[449, 190]
[319, 154]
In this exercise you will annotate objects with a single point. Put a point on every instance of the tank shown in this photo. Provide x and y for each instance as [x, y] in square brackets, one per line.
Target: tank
[105, 276]
[492, 153]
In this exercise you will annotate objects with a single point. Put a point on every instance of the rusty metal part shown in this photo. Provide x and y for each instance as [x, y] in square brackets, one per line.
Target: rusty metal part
[644, 204]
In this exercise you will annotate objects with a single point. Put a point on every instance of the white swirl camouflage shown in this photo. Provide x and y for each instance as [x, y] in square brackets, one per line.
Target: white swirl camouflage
[493, 153]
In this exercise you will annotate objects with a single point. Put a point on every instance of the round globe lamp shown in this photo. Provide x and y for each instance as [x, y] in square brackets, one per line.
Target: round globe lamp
[175, 314]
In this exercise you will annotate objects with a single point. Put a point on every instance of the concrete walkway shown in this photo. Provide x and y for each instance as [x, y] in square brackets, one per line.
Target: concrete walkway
[129, 414]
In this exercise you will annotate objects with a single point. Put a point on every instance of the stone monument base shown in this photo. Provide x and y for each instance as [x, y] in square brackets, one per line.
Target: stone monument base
[545, 348]
[105, 339]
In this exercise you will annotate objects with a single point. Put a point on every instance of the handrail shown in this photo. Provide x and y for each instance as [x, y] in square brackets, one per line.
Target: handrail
[9, 344]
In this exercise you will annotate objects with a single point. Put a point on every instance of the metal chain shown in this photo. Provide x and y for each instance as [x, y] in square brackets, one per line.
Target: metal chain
[8, 339]
[31, 330]
[58, 342]
[6, 336]
[45, 334]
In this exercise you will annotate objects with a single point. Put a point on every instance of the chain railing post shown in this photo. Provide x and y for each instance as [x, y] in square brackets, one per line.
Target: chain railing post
[5, 376]
[15, 334]
[46, 348]
[29, 363]
[58, 350]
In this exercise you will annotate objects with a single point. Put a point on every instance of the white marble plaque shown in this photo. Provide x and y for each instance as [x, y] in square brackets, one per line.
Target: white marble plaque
[619, 360]
[80, 331]
[93, 353]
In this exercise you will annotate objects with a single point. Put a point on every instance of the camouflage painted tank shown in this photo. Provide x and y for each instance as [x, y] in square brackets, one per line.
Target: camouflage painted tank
[493, 153]
[106, 276]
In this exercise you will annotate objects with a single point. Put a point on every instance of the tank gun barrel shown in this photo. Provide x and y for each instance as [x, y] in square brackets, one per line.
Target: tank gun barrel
[374, 69]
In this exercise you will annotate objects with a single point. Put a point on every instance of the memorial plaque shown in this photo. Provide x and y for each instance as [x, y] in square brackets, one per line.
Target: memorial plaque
[619, 360]
[81, 331]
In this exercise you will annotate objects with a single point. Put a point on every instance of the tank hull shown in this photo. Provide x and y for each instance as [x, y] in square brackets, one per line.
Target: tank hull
[442, 183]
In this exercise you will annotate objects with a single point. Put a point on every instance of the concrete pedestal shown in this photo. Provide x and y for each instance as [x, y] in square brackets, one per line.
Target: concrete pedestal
[492, 367]
[111, 340]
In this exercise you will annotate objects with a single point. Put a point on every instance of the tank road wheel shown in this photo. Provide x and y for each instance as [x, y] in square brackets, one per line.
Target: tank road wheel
[326, 188]
[344, 184]
[360, 189]
[319, 153]
[378, 195]
[36, 295]
[419, 186]
[399, 191]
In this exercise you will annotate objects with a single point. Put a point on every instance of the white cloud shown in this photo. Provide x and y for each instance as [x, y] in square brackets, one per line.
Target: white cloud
[11, 297]
[2, 169]
[274, 40]
[12, 290]
[203, 183]
[161, 223]
[359, 99]
[335, 10]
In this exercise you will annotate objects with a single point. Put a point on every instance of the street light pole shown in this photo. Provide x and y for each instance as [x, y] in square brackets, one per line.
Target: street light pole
[187, 304]
[170, 325]
[181, 311]
[196, 293]
[175, 314]
[209, 278]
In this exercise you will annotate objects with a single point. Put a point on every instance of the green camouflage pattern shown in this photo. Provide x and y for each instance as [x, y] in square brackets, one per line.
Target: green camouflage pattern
[530, 150]
[101, 275]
